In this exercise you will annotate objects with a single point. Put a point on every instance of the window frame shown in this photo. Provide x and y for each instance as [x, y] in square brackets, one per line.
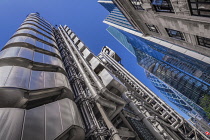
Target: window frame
[178, 37]
[203, 42]
[196, 2]
[160, 7]
[136, 4]
[152, 30]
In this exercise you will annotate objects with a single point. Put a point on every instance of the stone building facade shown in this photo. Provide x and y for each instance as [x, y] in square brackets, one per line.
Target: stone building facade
[184, 23]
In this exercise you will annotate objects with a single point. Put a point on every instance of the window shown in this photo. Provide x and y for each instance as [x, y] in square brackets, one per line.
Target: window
[137, 4]
[163, 6]
[175, 34]
[203, 41]
[200, 7]
[152, 28]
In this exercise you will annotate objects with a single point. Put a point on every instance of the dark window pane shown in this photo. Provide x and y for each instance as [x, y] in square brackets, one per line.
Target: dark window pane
[175, 34]
[162, 6]
[203, 41]
[152, 28]
[200, 7]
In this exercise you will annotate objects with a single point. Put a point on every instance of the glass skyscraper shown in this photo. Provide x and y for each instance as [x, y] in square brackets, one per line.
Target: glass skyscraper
[175, 66]
[179, 73]
[184, 104]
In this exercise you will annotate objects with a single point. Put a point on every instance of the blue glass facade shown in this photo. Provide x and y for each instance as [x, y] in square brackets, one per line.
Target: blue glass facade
[184, 104]
[108, 6]
[117, 18]
[189, 76]
[181, 72]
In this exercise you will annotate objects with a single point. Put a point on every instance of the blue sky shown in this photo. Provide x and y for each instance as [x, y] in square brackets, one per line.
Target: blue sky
[83, 17]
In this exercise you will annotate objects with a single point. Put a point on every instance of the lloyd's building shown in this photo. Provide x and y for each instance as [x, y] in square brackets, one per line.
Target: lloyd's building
[53, 87]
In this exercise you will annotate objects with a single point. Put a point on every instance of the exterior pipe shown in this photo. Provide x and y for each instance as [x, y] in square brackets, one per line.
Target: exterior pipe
[142, 117]
[86, 79]
[121, 103]
[95, 78]
[115, 135]
[94, 93]
[134, 78]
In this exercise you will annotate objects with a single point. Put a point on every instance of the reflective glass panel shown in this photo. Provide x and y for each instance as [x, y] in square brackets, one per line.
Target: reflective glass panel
[30, 40]
[19, 77]
[37, 80]
[4, 73]
[38, 57]
[47, 47]
[49, 79]
[47, 59]
[59, 78]
[11, 52]
[39, 44]
[26, 53]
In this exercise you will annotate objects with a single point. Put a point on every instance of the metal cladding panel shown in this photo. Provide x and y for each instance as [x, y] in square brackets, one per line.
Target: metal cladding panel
[53, 121]
[27, 31]
[75, 40]
[34, 127]
[94, 63]
[15, 81]
[10, 52]
[11, 122]
[69, 32]
[35, 28]
[46, 122]
[33, 33]
[81, 46]
[72, 35]
[110, 80]
[24, 39]
[49, 121]
[4, 73]
[87, 54]
[40, 25]
[26, 53]
[18, 77]
[34, 42]
[37, 80]
[29, 54]
[59, 79]
[49, 81]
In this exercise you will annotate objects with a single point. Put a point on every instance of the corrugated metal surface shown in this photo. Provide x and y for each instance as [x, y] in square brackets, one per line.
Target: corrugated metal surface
[46, 122]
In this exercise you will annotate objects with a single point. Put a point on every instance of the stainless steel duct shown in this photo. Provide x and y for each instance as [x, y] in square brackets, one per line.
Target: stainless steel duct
[97, 98]
[142, 117]
[103, 90]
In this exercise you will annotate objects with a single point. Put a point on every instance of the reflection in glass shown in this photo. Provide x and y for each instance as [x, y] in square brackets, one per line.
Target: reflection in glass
[49, 79]
[37, 80]
[47, 59]
[19, 77]
[38, 57]
[26, 53]
[11, 52]
[14, 76]
[4, 73]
